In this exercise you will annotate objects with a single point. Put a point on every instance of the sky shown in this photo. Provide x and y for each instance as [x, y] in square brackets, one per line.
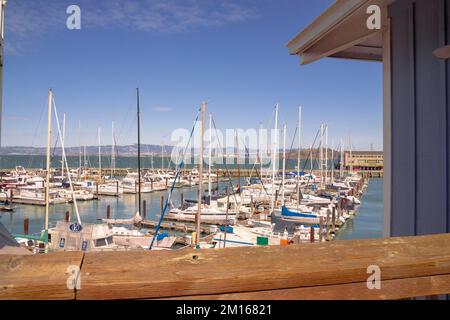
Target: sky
[232, 54]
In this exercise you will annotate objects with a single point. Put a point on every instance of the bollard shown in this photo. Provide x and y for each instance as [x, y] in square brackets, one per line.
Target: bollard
[108, 212]
[144, 209]
[312, 234]
[26, 223]
[162, 204]
[67, 216]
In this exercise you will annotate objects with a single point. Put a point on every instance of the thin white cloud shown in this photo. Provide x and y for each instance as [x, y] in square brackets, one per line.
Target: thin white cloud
[30, 19]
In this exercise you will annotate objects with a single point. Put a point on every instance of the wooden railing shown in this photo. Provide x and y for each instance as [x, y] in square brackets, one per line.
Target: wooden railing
[410, 267]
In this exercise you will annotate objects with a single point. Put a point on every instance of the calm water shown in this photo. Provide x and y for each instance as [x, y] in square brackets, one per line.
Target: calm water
[366, 224]
[90, 211]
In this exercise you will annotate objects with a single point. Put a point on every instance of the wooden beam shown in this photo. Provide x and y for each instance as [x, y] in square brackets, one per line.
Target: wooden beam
[140, 275]
[410, 266]
[390, 289]
[40, 276]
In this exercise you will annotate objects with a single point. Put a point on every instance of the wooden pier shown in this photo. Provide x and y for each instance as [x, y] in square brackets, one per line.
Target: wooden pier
[410, 267]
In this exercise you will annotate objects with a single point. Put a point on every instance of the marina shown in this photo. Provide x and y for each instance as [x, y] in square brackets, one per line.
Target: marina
[174, 151]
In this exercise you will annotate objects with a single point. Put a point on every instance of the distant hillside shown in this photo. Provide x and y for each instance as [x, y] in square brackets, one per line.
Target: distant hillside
[128, 150]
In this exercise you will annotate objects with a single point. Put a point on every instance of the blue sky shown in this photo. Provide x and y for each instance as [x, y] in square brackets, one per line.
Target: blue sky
[231, 53]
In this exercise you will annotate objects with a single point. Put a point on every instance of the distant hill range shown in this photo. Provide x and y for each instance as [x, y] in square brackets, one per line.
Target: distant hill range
[128, 150]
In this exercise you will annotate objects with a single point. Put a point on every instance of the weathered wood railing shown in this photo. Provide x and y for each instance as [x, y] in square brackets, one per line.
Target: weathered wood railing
[410, 267]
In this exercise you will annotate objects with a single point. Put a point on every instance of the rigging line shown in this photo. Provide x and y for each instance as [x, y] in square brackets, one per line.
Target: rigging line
[33, 141]
[256, 170]
[314, 142]
[65, 162]
[290, 151]
[180, 166]
[225, 164]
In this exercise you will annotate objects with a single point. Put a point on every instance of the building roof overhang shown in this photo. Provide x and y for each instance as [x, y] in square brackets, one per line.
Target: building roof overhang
[341, 31]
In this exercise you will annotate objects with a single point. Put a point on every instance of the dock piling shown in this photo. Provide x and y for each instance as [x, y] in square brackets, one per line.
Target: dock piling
[26, 223]
[144, 209]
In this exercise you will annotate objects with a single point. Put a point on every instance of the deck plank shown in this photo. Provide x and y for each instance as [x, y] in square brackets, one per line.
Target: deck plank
[41, 276]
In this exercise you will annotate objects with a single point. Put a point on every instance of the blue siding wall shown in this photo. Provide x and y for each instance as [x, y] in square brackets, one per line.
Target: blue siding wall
[420, 118]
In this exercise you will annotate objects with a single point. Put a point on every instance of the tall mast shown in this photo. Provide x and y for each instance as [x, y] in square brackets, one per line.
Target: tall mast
[139, 148]
[63, 137]
[162, 157]
[326, 154]
[332, 161]
[351, 156]
[49, 133]
[321, 153]
[299, 151]
[79, 142]
[113, 152]
[341, 165]
[284, 164]
[210, 156]
[274, 155]
[85, 157]
[99, 155]
[200, 178]
[260, 148]
[237, 158]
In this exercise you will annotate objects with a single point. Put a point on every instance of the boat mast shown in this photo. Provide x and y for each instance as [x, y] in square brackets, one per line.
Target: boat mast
[332, 161]
[210, 156]
[274, 155]
[326, 154]
[99, 155]
[260, 149]
[321, 153]
[284, 165]
[79, 142]
[162, 158]
[139, 148]
[113, 153]
[341, 165]
[299, 151]
[351, 156]
[63, 137]
[200, 178]
[49, 133]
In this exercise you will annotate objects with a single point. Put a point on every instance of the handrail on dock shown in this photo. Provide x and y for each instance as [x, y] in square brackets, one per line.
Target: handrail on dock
[408, 267]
